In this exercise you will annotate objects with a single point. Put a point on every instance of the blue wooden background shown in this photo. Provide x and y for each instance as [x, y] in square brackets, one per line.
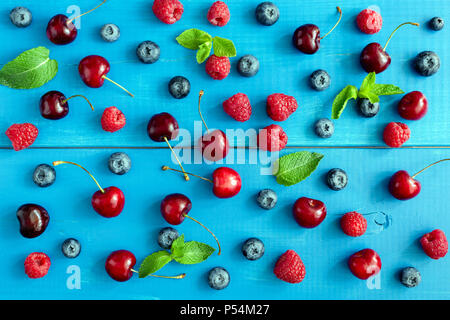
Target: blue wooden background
[324, 250]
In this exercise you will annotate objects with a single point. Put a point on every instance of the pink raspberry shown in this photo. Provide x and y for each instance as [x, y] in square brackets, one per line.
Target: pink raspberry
[435, 244]
[238, 107]
[37, 265]
[22, 135]
[168, 11]
[290, 267]
[218, 14]
[369, 21]
[353, 224]
[272, 138]
[396, 134]
[113, 119]
[218, 67]
[280, 106]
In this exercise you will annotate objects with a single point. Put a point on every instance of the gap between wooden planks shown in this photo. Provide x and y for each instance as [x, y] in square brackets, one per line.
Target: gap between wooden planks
[238, 147]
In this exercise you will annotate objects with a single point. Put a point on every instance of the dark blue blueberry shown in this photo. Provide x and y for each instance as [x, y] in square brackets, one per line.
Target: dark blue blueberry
[44, 175]
[110, 32]
[179, 87]
[119, 163]
[253, 249]
[337, 179]
[21, 17]
[267, 13]
[218, 278]
[148, 52]
[410, 277]
[267, 199]
[320, 80]
[367, 108]
[248, 66]
[436, 23]
[427, 63]
[166, 237]
[71, 248]
[324, 128]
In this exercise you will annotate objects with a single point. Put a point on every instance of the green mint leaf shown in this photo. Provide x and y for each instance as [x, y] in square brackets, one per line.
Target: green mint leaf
[193, 38]
[340, 102]
[386, 89]
[31, 69]
[223, 47]
[153, 263]
[368, 82]
[204, 51]
[373, 98]
[194, 252]
[178, 247]
[296, 167]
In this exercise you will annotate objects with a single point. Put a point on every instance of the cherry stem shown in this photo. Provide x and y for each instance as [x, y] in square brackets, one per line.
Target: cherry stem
[81, 96]
[121, 87]
[414, 176]
[200, 95]
[186, 177]
[393, 32]
[217, 240]
[57, 163]
[340, 17]
[165, 168]
[180, 276]
[71, 20]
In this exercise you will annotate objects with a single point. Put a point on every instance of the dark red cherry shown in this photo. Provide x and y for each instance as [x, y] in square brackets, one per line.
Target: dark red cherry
[364, 264]
[309, 213]
[226, 182]
[215, 145]
[93, 70]
[403, 187]
[374, 59]
[119, 265]
[413, 106]
[61, 30]
[162, 126]
[53, 105]
[175, 207]
[33, 220]
[109, 203]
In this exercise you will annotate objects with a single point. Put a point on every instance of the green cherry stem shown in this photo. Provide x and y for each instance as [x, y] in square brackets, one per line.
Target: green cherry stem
[71, 20]
[80, 96]
[340, 17]
[393, 32]
[200, 95]
[180, 276]
[434, 163]
[165, 168]
[57, 163]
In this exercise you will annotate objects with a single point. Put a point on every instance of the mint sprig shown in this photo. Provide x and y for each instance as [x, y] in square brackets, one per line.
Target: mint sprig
[296, 167]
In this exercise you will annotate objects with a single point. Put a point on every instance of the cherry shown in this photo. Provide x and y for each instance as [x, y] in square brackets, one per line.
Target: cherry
[309, 213]
[53, 105]
[107, 202]
[33, 220]
[413, 106]
[307, 37]
[374, 58]
[364, 264]
[93, 70]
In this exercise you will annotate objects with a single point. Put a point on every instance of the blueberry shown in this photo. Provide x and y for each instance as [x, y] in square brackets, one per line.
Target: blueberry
[166, 237]
[267, 199]
[267, 13]
[320, 80]
[324, 128]
[218, 278]
[410, 277]
[367, 108]
[337, 179]
[248, 66]
[179, 87]
[119, 163]
[253, 249]
[21, 17]
[71, 248]
[148, 52]
[44, 175]
[436, 23]
[110, 32]
[427, 63]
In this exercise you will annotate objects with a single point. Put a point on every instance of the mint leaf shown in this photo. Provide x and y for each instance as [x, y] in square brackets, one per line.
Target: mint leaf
[193, 38]
[373, 98]
[204, 51]
[153, 263]
[295, 167]
[340, 102]
[178, 246]
[368, 82]
[386, 89]
[224, 47]
[31, 69]
[194, 252]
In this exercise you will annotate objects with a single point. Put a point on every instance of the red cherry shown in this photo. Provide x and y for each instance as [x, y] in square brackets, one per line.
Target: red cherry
[309, 213]
[162, 126]
[214, 145]
[61, 30]
[403, 187]
[119, 265]
[54, 105]
[33, 220]
[227, 182]
[413, 106]
[364, 264]
[175, 207]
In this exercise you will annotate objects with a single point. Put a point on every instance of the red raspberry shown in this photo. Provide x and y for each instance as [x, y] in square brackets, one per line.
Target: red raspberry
[395, 134]
[353, 224]
[272, 138]
[218, 67]
[280, 106]
[37, 265]
[22, 135]
[218, 14]
[113, 119]
[435, 244]
[369, 21]
[168, 11]
[290, 267]
[238, 107]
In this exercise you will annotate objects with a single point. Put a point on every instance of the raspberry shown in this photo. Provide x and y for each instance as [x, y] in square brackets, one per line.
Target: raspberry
[290, 267]
[168, 11]
[272, 138]
[395, 134]
[218, 67]
[238, 107]
[22, 135]
[369, 21]
[435, 244]
[37, 265]
[353, 224]
[280, 106]
[113, 119]
[218, 14]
